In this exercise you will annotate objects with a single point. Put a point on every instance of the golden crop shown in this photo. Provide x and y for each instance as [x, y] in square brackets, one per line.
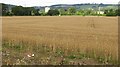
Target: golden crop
[70, 33]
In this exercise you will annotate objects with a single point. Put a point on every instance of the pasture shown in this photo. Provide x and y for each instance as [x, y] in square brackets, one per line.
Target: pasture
[60, 40]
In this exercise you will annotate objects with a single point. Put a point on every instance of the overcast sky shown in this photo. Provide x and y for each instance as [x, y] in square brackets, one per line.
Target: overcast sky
[29, 3]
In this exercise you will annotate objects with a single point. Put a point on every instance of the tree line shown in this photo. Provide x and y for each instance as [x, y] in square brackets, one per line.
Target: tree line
[31, 11]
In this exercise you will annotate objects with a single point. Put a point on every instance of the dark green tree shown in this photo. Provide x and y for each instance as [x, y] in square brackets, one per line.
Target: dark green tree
[53, 12]
[118, 12]
[36, 12]
[24, 11]
[18, 10]
[4, 9]
[111, 12]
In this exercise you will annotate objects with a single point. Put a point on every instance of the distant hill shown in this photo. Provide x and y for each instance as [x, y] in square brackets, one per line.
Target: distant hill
[81, 6]
[86, 6]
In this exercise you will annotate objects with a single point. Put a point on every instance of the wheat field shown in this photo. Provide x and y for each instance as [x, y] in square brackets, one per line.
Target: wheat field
[90, 35]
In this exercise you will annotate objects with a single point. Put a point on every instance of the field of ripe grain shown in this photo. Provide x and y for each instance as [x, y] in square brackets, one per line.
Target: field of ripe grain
[94, 36]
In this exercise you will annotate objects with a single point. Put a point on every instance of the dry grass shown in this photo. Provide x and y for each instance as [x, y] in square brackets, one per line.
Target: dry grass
[96, 36]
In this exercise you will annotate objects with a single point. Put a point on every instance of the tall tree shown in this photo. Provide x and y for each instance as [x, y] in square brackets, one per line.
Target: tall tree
[62, 11]
[4, 9]
[71, 10]
[53, 12]
[23, 11]
[18, 10]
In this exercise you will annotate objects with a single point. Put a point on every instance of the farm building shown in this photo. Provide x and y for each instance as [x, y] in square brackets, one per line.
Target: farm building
[100, 12]
[47, 9]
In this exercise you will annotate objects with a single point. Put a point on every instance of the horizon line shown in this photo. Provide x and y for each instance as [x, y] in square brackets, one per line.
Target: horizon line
[58, 4]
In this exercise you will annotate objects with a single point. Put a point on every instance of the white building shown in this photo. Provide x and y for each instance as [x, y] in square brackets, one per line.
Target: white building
[100, 12]
[47, 9]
